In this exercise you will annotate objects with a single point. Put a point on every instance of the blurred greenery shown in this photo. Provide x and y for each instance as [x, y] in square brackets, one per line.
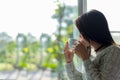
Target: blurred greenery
[29, 53]
[5, 66]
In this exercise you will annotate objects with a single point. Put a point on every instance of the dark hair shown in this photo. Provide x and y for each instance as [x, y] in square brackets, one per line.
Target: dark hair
[93, 26]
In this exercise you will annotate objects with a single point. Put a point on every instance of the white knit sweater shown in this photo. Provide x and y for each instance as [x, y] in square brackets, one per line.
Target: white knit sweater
[105, 66]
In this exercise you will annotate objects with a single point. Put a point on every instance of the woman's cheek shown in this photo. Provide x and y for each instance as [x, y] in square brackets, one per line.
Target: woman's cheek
[85, 43]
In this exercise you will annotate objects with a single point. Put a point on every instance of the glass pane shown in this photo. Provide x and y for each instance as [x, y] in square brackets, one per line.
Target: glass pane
[116, 36]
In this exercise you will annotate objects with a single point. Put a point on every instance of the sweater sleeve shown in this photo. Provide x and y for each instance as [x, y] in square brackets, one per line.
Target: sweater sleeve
[109, 68]
[72, 73]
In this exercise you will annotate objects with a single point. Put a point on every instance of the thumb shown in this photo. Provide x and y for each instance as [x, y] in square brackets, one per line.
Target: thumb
[66, 46]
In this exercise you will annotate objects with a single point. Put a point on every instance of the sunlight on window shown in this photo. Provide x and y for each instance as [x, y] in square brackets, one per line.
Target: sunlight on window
[27, 16]
[110, 9]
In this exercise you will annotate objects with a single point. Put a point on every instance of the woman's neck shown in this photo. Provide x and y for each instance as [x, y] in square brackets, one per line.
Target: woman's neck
[99, 47]
[96, 46]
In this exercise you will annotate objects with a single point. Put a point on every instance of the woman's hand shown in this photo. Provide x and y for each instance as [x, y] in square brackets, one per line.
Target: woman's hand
[81, 51]
[68, 54]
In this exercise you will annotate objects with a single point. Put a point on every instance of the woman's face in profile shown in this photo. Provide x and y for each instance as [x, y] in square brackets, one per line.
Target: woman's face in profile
[83, 40]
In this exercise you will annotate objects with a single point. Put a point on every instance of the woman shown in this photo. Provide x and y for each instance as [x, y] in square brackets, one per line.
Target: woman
[94, 32]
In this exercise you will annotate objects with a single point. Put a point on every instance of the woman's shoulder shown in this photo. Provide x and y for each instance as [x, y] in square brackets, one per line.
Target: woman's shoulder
[112, 48]
[110, 51]
[109, 54]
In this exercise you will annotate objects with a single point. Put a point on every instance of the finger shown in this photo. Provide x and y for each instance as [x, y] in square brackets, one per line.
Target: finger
[66, 46]
[73, 48]
[76, 42]
[73, 51]
[81, 43]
